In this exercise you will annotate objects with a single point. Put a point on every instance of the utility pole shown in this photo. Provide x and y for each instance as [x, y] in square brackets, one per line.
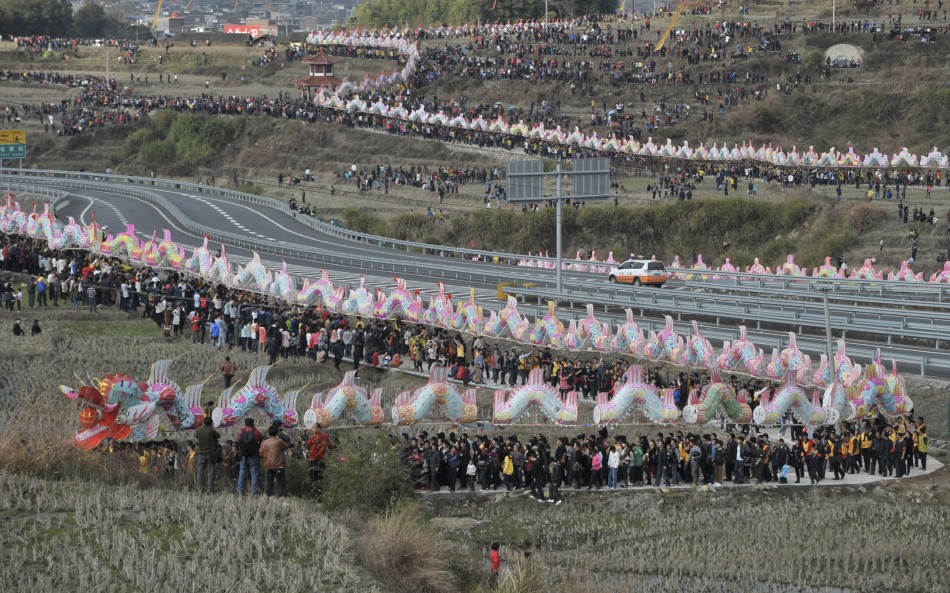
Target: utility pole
[831, 358]
[558, 220]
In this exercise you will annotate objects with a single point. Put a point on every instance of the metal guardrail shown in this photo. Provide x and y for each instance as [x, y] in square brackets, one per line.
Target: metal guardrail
[931, 313]
[754, 312]
[38, 190]
[924, 362]
[810, 285]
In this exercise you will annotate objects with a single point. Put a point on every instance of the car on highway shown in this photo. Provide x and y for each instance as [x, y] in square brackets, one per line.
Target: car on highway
[647, 272]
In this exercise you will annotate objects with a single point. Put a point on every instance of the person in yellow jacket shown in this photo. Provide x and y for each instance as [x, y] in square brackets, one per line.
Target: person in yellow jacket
[867, 439]
[854, 458]
[508, 472]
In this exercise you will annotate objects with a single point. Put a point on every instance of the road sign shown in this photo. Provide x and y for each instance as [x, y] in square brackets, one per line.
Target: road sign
[12, 151]
[591, 178]
[12, 137]
[525, 181]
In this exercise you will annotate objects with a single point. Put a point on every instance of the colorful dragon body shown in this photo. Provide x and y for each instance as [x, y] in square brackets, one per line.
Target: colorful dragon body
[72, 235]
[284, 287]
[593, 333]
[943, 276]
[629, 338]
[698, 351]
[12, 219]
[905, 274]
[790, 268]
[360, 301]
[413, 406]
[875, 390]
[635, 394]
[253, 275]
[125, 244]
[365, 409]
[400, 303]
[663, 344]
[200, 261]
[826, 270]
[717, 394]
[220, 269]
[256, 393]
[321, 293]
[510, 407]
[508, 322]
[792, 397]
[468, 317]
[548, 330]
[867, 272]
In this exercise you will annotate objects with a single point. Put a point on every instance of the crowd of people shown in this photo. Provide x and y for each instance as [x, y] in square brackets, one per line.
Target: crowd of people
[450, 462]
[234, 320]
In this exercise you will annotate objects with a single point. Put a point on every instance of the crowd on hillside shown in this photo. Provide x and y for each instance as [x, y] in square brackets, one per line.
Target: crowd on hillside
[586, 52]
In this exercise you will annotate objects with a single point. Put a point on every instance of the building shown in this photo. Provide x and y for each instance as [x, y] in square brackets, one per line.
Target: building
[321, 73]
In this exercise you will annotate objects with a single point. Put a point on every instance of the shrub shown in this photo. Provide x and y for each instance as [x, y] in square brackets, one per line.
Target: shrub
[357, 458]
[137, 139]
[410, 226]
[362, 221]
[399, 549]
[157, 152]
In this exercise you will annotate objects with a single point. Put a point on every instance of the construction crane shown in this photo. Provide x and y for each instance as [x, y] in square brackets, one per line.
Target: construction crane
[187, 7]
[680, 10]
[669, 29]
[158, 13]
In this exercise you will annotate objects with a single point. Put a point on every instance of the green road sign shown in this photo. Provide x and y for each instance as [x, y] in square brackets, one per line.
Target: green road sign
[12, 151]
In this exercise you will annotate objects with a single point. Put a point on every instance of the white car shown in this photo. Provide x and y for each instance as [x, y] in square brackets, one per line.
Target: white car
[649, 272]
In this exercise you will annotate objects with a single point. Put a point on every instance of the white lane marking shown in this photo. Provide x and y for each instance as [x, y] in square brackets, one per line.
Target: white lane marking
[310, 238]
[82, 216]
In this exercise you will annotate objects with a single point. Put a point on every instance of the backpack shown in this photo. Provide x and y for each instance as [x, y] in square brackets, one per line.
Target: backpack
[247, 444]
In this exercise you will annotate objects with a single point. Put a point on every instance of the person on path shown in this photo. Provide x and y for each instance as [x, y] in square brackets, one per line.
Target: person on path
[206, 467]
[274, 461]
[317, 445]
[227, 371]
[249, 443]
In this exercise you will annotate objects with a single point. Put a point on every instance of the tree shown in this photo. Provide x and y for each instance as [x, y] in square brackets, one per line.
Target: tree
[91, 20]
[36, 17]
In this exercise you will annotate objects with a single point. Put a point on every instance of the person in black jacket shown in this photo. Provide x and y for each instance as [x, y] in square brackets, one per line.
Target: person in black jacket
[780, 459]
[207, 458]
[557, 476]
[537, 477]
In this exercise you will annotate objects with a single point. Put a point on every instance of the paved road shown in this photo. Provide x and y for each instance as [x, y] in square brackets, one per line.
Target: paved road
[307, 250]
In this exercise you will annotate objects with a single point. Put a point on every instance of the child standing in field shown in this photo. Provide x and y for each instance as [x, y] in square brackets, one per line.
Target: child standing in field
[494, 560]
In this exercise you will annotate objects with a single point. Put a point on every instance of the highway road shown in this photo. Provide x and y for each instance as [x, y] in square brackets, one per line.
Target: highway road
[910, 323]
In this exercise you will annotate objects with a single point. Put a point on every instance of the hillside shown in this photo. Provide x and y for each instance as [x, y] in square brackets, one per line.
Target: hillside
[894, 99]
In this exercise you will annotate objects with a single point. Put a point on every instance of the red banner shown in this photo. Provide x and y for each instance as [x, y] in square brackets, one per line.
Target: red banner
[252, 30]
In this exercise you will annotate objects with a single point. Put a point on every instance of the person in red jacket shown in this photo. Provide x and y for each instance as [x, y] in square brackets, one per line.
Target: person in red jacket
[318, 444]
[494, 559]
